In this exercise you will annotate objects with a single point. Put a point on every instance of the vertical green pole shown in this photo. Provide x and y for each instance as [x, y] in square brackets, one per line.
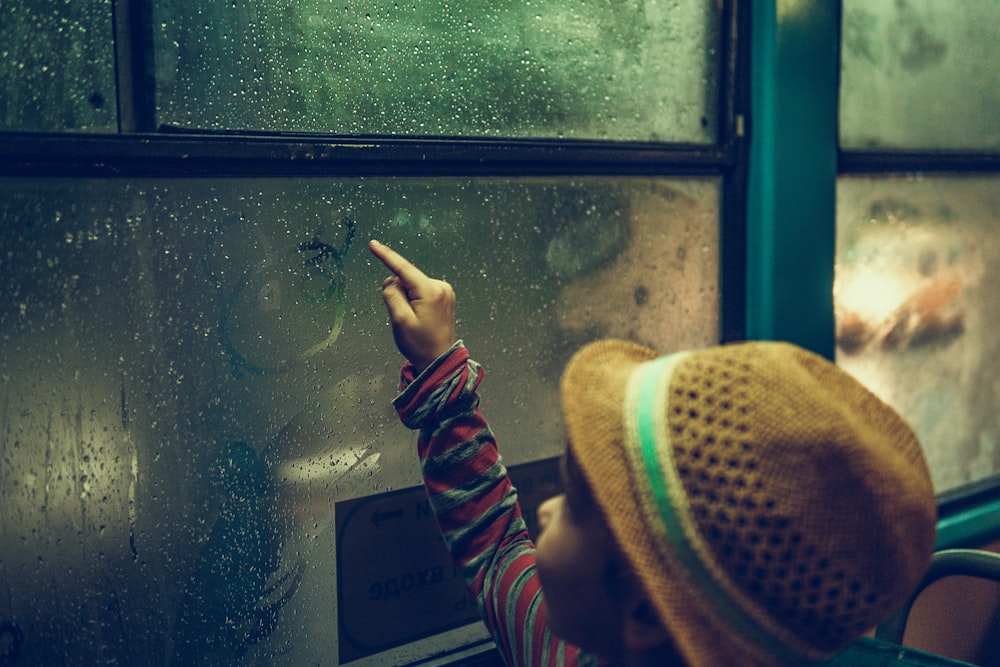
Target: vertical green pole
[791, 230]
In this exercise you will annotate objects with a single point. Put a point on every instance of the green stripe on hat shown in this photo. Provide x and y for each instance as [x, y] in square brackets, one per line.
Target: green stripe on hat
[651, 454]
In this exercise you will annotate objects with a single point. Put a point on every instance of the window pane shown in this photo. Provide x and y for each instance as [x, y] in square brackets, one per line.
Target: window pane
[149, 326]
[917, 311]
[920, 74]
[636, 70]
[57, 67]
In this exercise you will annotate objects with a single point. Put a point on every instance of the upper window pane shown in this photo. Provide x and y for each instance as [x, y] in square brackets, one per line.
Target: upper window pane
[57, 67]
[639, 70]
[917, 312]
[920, 74]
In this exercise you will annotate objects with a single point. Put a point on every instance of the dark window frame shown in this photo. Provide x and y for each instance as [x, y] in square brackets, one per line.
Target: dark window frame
[860, 163]
[141, 150]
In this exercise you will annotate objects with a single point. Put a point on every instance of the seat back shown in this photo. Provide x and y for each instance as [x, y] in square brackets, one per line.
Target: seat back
[885, 649]
[946, 563]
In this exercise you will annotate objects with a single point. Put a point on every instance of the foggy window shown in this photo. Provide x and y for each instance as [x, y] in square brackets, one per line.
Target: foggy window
[199, 460]
[632, 70]
[915, 314]
[57, 66]
[920, 74]
[197, 437]
[917, 311]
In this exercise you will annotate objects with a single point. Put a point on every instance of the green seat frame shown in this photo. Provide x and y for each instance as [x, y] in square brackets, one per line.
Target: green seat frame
[872, 652]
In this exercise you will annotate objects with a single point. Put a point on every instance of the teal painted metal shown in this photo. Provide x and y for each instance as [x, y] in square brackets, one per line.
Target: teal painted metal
[791, 217]
[791, 228]
[868, 652]
[974, 526]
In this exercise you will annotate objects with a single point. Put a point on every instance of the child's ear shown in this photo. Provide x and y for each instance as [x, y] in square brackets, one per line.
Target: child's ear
[642, 626]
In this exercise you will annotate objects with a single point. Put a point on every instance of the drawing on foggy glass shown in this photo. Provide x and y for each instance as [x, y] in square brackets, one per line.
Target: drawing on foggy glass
[281, 301]
[233, 596]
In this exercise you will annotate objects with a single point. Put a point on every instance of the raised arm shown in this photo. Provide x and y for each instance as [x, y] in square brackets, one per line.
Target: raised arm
[467, 484]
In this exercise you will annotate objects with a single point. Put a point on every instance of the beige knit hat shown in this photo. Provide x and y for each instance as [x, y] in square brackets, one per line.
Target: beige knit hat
[773, 508]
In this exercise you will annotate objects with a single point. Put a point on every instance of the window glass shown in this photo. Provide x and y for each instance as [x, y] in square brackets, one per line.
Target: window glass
[920, 74]
[917, 311]
[636, 70]
[196, 373]
[57, 67]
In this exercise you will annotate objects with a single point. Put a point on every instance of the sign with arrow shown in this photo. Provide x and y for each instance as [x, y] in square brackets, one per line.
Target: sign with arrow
[395, 580]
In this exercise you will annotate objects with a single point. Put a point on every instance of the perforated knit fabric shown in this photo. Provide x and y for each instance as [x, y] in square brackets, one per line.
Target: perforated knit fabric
[747, 483]
[809, 501]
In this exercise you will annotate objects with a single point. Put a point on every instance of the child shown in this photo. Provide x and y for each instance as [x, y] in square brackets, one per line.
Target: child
[747, 504]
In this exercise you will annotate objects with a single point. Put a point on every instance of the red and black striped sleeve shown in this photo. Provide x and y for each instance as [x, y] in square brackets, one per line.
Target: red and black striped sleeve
[476, 508]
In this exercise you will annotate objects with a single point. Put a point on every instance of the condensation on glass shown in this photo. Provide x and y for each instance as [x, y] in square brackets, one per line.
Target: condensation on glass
[634, 70]
[917, 311]
[195, 372]
[57, 66]
[920, 74]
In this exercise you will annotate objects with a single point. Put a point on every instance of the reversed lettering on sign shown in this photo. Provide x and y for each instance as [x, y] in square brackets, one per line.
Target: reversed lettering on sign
[395, 581]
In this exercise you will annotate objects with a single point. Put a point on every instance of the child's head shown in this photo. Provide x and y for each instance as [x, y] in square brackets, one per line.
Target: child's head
[771, 508]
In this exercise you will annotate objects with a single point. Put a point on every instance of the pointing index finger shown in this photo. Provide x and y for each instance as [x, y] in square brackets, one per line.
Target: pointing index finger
[396, 263]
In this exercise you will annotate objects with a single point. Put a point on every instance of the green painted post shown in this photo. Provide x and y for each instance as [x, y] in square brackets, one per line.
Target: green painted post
[791, 229]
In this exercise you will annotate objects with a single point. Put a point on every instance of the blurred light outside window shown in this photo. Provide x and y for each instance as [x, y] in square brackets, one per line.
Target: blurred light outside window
[917, 311]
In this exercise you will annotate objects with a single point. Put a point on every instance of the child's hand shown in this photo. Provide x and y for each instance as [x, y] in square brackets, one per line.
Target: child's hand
[421, 309]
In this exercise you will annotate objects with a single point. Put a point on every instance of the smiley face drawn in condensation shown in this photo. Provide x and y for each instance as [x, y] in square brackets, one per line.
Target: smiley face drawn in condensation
[286, 304]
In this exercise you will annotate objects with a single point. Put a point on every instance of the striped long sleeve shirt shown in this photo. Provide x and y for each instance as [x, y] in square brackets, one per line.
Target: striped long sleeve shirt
[477, 510]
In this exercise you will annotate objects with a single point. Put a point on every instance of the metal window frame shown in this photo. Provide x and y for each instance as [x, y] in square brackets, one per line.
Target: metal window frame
[142, 150]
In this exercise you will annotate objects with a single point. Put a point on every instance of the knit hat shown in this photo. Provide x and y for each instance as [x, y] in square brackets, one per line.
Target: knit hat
[772, 507]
